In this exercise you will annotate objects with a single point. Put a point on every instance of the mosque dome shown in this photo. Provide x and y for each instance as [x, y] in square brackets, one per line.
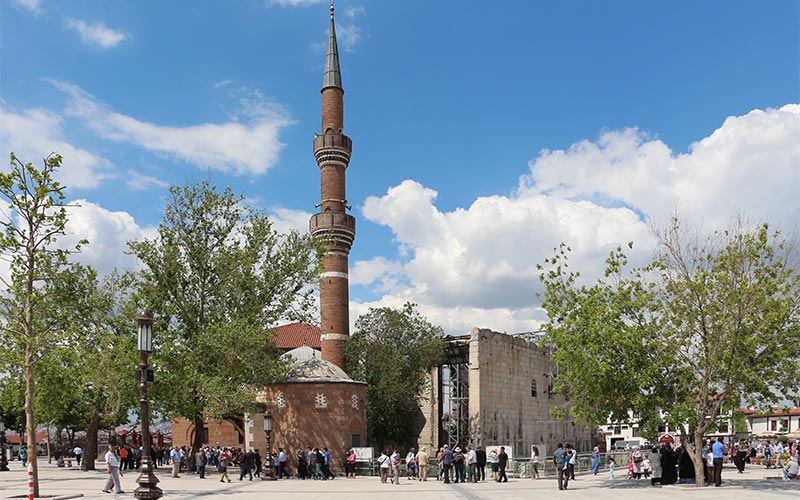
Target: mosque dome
[316, 370]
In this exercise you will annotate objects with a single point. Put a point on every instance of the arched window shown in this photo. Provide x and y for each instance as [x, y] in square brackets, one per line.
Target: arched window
[533, 388]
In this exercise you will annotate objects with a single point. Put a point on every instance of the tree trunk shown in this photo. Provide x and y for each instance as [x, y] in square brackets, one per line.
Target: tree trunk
[90, 453]
[698, 460]
[71, 436]
[30, 420]
[49, 455]
[199, 434]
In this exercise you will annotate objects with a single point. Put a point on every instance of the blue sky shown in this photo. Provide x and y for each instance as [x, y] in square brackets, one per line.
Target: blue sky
[484, 133]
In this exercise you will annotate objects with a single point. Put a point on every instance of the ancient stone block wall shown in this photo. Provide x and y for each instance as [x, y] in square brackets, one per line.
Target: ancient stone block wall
[502, 407]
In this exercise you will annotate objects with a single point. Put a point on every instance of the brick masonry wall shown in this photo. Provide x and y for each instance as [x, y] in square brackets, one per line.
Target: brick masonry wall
[297, 422]
[219, 431]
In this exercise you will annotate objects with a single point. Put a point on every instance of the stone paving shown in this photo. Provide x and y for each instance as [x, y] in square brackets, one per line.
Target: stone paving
[754, 483]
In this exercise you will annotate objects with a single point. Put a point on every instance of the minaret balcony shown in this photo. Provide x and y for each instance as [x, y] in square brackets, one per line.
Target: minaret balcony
[332, 148]
[336, 229]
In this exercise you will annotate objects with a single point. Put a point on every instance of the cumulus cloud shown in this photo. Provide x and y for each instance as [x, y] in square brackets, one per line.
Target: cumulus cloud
[97, 34]
[35, 133]
[286, 219]
[475, 266]
[108, 234]
[234, 147]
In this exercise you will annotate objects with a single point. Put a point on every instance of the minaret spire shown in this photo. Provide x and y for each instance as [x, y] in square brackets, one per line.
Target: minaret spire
[333, 225]
[332, 76]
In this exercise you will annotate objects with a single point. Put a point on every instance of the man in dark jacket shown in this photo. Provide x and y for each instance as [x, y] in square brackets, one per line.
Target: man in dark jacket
[447, 462]
[503, 456]
[481, 455]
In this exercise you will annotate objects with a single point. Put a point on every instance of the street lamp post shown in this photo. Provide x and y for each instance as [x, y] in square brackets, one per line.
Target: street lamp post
[147, 480]
[3, 460]
[269, 465]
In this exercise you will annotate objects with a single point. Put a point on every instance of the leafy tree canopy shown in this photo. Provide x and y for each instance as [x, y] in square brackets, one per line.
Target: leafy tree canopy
[710, 324]
[393, 350]
[218, 276]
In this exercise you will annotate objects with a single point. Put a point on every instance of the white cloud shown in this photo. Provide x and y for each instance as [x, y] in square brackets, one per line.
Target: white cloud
[35, 133]
[96, 34]
[286, 219]
[348, 35]
[234, 147]
[475, 266]
[108, 234]
[34, 6]
[137, 181]
[294, 3]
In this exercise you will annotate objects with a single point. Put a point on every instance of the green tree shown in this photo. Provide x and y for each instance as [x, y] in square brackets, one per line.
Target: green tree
[88, 383]
[218, 276]
[698, 332]
[34, 220]
[393, 350]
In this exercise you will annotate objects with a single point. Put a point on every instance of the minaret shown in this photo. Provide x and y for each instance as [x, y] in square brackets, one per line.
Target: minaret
[332, 224]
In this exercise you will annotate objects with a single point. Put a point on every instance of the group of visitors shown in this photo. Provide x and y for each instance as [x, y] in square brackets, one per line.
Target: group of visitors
[565, 458]
[457, 467]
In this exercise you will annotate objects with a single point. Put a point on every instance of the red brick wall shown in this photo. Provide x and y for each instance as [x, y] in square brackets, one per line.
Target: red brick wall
[219, 431]
[300, 424]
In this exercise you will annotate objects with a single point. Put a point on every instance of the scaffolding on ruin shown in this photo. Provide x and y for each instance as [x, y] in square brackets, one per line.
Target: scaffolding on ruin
[454, 388]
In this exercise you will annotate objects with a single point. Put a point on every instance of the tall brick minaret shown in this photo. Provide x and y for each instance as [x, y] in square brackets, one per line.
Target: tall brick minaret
[332, 224]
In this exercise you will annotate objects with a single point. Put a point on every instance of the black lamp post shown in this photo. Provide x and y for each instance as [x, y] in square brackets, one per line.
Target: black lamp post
[269, 466]
[147, 480]
[3, 460]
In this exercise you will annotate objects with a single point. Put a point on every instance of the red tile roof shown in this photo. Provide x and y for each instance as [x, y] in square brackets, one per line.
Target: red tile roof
[294, 335]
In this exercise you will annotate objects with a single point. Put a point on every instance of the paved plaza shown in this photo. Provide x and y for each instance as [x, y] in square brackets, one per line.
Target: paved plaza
[754, 483]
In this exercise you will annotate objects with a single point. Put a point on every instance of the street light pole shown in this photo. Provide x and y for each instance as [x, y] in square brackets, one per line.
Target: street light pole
[3, 460]
[269, 465]
[147, 480]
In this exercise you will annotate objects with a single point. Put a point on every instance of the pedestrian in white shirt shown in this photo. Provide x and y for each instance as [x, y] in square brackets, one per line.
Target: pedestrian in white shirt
[113, 472]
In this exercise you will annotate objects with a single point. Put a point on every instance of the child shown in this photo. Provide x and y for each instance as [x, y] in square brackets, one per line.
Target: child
[646, 467]
[631, 469]
[611, 468]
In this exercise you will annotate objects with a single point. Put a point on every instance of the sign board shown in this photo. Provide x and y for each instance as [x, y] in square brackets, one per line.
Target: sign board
[363, 454]
[509, 450]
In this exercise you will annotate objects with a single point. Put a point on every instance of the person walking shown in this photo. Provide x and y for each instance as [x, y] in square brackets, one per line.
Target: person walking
[447, 463]
[175, 456]
[572, 461]
[534, 462]
[595, 460]
[561, 460]
[383, 465]
[396, 467]
[112, 463]
[718, 451]
[411, 464]
[78, 452]
[502, 463]
[422, 463]
[224, 461]
[351, 464]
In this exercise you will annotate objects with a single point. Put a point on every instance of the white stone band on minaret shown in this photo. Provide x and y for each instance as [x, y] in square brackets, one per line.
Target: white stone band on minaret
[334, 336]
[333, 274]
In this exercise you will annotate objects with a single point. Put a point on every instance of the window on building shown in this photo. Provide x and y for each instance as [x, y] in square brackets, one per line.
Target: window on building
[205, 435]
[320, 400]
[534, 393]
[354, 402]
[355, 440]
[723, 427]
[773, 425]
[634, 432]
[281, 400]
[617, 429]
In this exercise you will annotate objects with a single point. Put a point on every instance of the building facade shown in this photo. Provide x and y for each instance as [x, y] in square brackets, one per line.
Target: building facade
[495, 389]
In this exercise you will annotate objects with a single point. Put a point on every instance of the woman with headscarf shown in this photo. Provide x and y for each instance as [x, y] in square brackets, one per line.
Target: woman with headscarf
[669, 473]
[595, 460]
